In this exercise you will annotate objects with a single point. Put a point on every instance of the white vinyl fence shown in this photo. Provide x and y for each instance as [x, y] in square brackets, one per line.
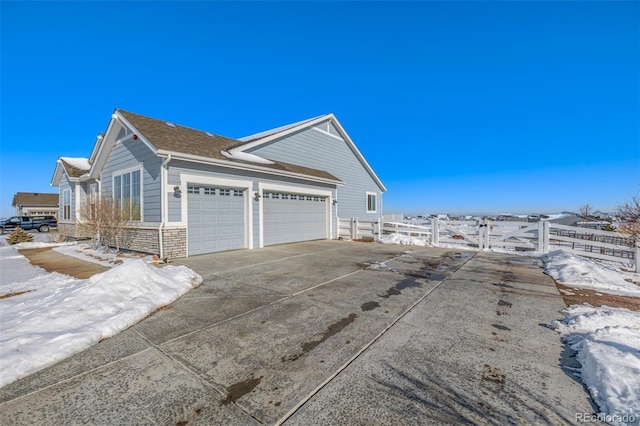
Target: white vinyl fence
[520, 236]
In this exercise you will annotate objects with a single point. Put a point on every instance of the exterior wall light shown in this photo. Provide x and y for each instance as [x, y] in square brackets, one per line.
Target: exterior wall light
[334, 202]
[176, 190]
[257, 196]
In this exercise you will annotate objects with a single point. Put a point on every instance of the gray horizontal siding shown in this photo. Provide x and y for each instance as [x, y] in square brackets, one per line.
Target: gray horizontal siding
[132, 153]
[319, 150]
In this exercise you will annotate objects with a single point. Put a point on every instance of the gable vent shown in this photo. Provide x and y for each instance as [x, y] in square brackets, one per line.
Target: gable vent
[170, 124]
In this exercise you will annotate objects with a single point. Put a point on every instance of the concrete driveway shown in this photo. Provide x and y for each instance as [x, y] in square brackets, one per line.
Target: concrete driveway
[326, 332]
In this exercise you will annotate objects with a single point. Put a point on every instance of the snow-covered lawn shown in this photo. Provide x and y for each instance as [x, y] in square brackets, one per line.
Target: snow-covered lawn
[47, 317]
[606, 339]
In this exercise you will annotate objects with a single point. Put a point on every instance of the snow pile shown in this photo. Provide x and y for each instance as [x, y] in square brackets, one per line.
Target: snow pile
[245, 156]
[607, 341]
[77, 162]
[58, 316]
[402, 240]
[569, 269]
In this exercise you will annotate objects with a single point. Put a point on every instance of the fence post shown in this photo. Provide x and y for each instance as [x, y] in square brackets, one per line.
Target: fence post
[376, 229]
[435, 232]
[541, 236]
[546, 226]
[354, 228]
[637, 259]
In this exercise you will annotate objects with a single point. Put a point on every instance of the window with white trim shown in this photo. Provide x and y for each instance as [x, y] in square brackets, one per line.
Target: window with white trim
[126, 194]
[372, 202]
[66, 204]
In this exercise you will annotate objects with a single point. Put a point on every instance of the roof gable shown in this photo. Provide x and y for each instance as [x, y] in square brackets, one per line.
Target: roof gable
[73, 167]
[259, 139]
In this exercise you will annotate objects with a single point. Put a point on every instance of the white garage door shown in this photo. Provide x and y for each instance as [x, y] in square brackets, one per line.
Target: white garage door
[293, 217]
[216, 219]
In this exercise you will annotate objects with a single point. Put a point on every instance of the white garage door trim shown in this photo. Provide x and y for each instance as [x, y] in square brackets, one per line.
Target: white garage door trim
[247, 185]
[263, 186]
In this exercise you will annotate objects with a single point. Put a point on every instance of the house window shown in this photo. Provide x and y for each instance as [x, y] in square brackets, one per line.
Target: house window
[66, 204]
[126, 194]
[372, 204]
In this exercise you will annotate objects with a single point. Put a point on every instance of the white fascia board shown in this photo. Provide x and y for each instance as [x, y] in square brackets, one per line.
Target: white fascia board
[284, 132]
[96, 155]
[131, 127]
[311, 123]
[264, 134]
[249, 167]
[356, 151]
[57, 174]
[108, 141]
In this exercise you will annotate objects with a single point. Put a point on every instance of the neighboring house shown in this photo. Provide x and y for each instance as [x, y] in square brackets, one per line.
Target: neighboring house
[192, 192]
[577, 220]
[35, 204]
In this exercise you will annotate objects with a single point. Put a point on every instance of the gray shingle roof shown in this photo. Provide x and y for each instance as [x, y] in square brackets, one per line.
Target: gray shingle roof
[34, 199]
[185, 140]
[72, 171]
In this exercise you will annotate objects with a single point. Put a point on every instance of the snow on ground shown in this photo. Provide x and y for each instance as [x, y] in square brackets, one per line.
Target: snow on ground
[607, 342]
[55, 316]
[606, 339]
[403, 240]
[570, 269]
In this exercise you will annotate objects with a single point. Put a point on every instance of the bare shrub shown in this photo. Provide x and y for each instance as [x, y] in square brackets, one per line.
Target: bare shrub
[629, 213]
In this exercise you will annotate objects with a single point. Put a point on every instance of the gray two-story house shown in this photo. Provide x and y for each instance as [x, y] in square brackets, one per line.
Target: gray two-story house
[191, 192]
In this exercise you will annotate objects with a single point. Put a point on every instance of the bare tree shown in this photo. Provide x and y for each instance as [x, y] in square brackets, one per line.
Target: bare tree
[116, 218]
[629, 213]
[585, 212]
[89, 221]
[105, 220]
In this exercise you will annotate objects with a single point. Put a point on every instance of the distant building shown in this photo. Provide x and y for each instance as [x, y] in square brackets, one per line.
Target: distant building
[577, 220]
[35, 203]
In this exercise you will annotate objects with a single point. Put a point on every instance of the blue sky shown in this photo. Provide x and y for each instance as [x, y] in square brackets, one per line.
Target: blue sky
[458, 107]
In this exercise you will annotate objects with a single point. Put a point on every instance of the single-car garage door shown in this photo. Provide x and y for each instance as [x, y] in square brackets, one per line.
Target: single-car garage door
[293, 217]
[216, 219]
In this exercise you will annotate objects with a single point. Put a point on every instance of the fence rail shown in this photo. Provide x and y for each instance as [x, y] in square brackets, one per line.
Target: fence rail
[484, 234]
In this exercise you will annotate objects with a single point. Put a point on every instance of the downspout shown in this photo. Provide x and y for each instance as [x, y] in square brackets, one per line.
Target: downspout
[163, 201]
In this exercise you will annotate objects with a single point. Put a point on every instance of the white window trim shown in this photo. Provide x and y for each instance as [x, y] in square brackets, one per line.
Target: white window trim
[62, 218]
[246, 185]
[125, 171]
[375, 194]
[265, 186]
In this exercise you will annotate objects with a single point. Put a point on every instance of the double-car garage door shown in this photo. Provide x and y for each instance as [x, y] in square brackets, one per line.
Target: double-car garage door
[217, 219]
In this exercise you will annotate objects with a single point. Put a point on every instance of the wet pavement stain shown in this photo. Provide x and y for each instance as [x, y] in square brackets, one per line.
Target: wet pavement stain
[368, 306]
[240, 389]
[501, 327]
[332, 330]
[408, 282]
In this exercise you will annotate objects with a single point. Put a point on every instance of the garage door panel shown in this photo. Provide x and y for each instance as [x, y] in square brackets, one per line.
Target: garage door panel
[216, 219]
[293, 217]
